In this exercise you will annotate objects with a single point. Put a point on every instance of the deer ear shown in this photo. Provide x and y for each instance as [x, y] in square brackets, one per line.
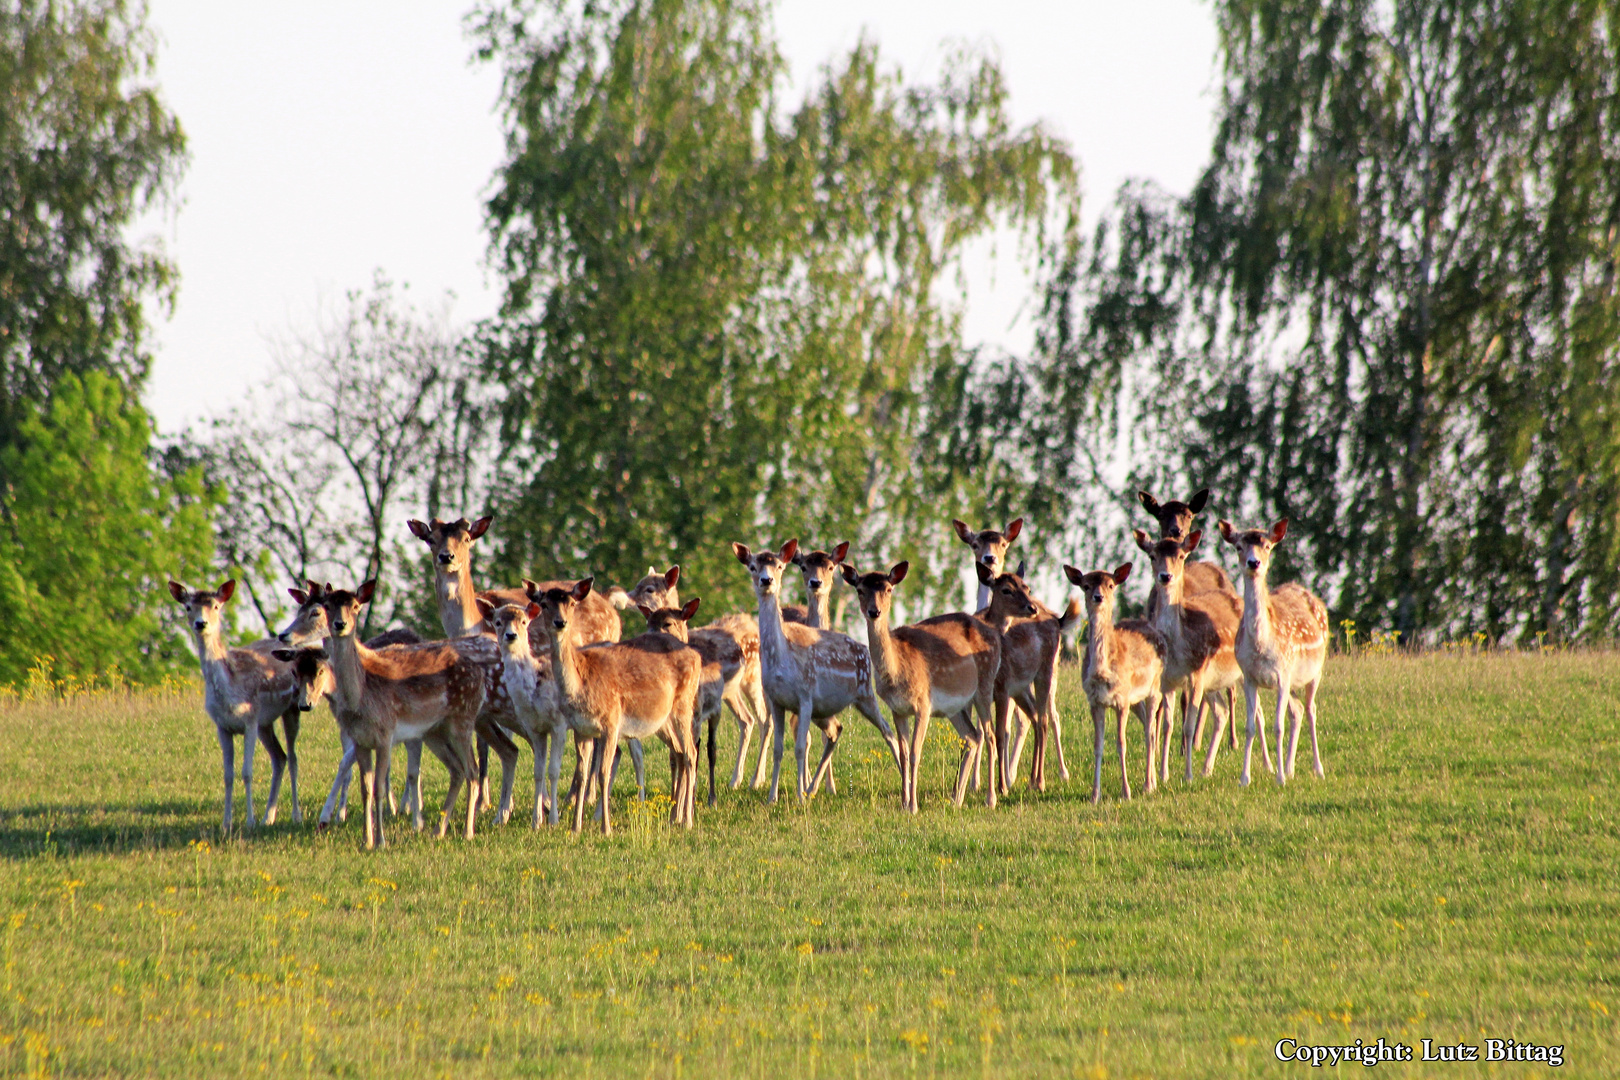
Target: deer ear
[1142, 541]
[480, 527]
[178, 591]
[897, 573]
[963, 533]
[840, 551]
[1122, 572]
[532, 611]
[299, 595]
[671, 576]
[790, 549]
[1021, 565]
[690, 609]
[227, 590]
[286, 656]
[851, 578]
[530, 588]
[366, 591]
[420, 529]
[582, 588]
[742, 552]
[1149, 503]
[485, 608]
[1279, 530]
[1194, 538]
[646, 612]
[1226, 530]
[983, 572]
[1072, 574]
[1014, 527]
[1198, 501]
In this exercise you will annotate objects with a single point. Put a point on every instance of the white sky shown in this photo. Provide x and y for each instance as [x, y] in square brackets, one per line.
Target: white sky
[331, 140]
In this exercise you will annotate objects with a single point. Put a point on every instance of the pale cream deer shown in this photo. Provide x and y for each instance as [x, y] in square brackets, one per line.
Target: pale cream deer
[943, 666]
[819, 569]
[812, 675]
[640, 688]
[244, 691]
[433, 692]
[533, 690]
[1281, 644]
[1124, 665]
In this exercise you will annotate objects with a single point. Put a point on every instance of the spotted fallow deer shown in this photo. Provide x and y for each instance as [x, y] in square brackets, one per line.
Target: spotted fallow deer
[819, 569]
[1029, 642]
[810, 674]
[534, 695]
[1123, 669]
[451, 544]
[744, 692]
[1281, 644]
[1200, 632]
[722, 661]
[244, 690]
[433, 692]
[943, 666]
[631, 689]
[990, 553]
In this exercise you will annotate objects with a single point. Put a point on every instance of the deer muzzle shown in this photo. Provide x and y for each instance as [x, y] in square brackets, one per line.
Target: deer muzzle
[511, 636]
[304, 706]
[1254, 564]
[445, 558]
[339, 625]
[814, 584]
[199, 624]
[1164, 578]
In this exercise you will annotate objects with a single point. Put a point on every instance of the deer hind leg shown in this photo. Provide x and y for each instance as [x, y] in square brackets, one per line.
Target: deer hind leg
[867, 705]
[278, 766]
[801, 744]
[584, 766]
[337, 799]
[484, 802]
[1310, 713]
[1099, 719]
[640, 763]
[1297, 715]
[291, 722]
[714, 750]
[1192, 722]
[990, 741]
[1223, 722]
[605, 758]
[829, 743]
[250, 739]
[745, 733]
[1283, 696]
[1251, 701]
[1124, 763]
[227, 753]
[466, 755]
[1231, 714]
[972, 752]
[1055, 720]
[364, 759]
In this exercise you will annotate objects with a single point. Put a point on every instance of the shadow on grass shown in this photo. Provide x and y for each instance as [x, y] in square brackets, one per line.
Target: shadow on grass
[49, 829]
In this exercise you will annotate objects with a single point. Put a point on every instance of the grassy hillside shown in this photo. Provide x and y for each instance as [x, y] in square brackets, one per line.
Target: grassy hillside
[1454, 877]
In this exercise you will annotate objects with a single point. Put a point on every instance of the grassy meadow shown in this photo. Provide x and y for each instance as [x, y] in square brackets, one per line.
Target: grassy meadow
[1455, 876]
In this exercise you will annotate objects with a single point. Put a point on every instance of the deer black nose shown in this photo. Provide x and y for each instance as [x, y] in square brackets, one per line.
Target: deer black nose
[872, 613]
[444, 557]
[1254, 564]
[764, 582]
[814, 583]
[511, 636]
[1096, 598]
[1172, 534]
[1165, 578]
[557, 624]
[284, 637]
[306, 708]
[989, 560]
[339, 625]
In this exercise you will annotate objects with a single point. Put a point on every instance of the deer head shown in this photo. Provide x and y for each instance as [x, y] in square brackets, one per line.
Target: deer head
[309, 670]
[819, 567]
[989, 547]
[1009, 595]
[450, 541]
[309, 621]
[1097, 586]
[510, 623]
[204, 607]
[875, 591]
[1169, 556]
[1255, 545]
[652, 589]
[1174, 517]
[765, 567]
[671, 620]
[343, 608]
[557, 607]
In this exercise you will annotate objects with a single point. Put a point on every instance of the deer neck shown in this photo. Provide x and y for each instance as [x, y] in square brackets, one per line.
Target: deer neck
[458, 603]
[1256, 609]
[348, 670]
[773, 644]
[818, 608]
[565, 667]
[1167, 606]
[983, 597]
[1100, 641]
[212, 653]
[885, 652]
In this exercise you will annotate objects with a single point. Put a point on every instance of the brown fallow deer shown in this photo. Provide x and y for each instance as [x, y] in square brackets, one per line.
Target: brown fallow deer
[433, 692]
[722, 660]
[990, 552]
[451, 544]
[744, 692]
[309, 626]
[534, 694]
[943, 666]
[1029, 644]
[1200, 632]
[1123, 669]
[1281, 644]
[632, 689]
[244, 690]
[1175, 520]
[810, 674]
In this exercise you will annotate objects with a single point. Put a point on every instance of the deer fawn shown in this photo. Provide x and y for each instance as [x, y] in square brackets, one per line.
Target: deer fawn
[1281, 644]
[433, 692]
[1029, 644]
[529, 681]
[812, 674]
[819, 568]
[244, 690]
[722, 661]
[1123, 670]
[1200, 632]
[944, 666]
[635, 689]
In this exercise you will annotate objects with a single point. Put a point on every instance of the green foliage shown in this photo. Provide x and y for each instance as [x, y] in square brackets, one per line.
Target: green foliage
[1387, 310]
[722, 323]
[85, 145]
[89, 535]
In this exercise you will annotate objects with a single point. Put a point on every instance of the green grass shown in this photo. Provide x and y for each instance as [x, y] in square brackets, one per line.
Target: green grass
[1453, 877]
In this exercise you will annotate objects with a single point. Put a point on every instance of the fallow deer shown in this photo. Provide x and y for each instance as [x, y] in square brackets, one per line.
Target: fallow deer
[990, 550]
[819, 568]
[1281, 644]
[1200, 632]
[809, 673]
[244, 690]
[652, 591]
[943, 666]
[433, 692]
[1029, 644]
[634, 689]
[534, 694]
[722, 661]
[1123, 667]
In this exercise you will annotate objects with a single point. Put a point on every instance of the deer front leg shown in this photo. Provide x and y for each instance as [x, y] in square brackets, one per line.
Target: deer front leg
[1192, 722]
[1124, 764]
[482, 787]
[1310, 712]
[1003, 731]
[584, 766]
[538, 748]
[250, 739]
[1251, 701]
[640, 763]
[778, 732]
[364, 758]
[227, 752]
[1296, 716]
[278, 765]
[1223, 721]
[801, 744]
[714, 749]
[466, 754]
[1282, 723]
[1055, 720]
[745, 734]
[1099, 718]
[337, 799]
[291, 723]
[605, 757]
[1151, 729]
[829, 743]
[919, 733]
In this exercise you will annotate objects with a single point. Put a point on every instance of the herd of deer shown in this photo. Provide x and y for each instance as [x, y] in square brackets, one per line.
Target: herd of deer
[546, 660]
